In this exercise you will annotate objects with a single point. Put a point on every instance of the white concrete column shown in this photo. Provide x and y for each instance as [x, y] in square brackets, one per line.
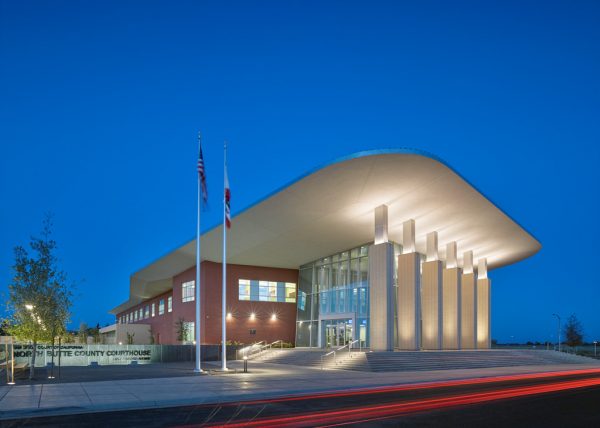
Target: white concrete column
[408, 236]
[408, 303]
[484, 307]
[432, 246]
[381, 285]
[431, 296]
[451, 259]
[468, 306]
[381, 224]
[381, 296]
[451, 300]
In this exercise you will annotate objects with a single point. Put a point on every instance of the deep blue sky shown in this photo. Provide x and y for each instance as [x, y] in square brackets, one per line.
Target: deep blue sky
[100, 103]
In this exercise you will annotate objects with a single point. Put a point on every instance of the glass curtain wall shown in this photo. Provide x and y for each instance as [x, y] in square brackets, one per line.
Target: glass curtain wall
[331, 287]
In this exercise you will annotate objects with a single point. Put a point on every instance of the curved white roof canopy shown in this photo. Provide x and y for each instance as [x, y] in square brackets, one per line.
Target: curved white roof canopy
[332, 209]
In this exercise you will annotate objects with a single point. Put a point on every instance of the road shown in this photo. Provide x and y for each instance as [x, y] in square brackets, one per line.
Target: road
[567, 398]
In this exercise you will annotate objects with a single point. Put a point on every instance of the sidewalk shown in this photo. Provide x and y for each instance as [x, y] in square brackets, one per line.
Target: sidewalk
[263, 381]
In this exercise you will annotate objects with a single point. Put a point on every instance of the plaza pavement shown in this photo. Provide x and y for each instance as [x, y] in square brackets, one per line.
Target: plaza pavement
[263, 381]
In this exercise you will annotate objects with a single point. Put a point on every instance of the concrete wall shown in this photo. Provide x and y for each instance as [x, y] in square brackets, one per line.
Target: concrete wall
[484, 340]
[409, 301]
[432, 302]
[468, 324]
[381, 297]
[451, 308]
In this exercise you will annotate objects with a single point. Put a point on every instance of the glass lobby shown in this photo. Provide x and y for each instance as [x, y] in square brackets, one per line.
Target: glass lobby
[333, 300]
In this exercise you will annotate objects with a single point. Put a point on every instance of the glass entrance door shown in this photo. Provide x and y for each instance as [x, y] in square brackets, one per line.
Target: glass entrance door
[337, 332]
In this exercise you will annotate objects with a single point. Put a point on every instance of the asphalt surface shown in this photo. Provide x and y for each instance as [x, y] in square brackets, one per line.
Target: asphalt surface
[571, 406]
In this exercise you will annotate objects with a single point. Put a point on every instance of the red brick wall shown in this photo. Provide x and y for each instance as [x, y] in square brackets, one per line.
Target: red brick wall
[239, 326]
[162, 326]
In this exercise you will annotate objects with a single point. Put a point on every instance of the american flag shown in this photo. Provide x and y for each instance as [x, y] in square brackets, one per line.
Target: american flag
[202, 173]
[227, 200]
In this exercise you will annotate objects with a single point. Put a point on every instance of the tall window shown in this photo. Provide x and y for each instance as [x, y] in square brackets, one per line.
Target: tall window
[147, 312]
[135, 315]
[188, 331]
[153, 309]
[187, 291]
[266, 291]
[170, 304]
[161, 306]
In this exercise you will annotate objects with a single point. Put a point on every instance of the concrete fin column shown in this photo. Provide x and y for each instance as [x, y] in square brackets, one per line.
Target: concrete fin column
[451, 300]
[484, 307]
[408, 301]
[381, 296]
[431, 298]
[468, 306]
[381, 224]
[381, 285]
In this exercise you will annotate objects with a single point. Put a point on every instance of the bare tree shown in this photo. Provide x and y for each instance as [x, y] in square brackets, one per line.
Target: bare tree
[573, 331]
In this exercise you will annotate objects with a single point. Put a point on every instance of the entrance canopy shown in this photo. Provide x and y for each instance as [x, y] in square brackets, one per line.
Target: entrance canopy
[331, 209]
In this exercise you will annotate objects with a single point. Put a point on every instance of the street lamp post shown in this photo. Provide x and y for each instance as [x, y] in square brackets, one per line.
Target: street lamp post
[595, 342]
[558, 317]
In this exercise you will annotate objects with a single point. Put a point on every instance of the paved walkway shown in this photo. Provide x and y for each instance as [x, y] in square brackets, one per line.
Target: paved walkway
[263, 381]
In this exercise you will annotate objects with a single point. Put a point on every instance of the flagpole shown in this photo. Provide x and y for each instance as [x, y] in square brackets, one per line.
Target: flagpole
[198, 368]
[224, 263]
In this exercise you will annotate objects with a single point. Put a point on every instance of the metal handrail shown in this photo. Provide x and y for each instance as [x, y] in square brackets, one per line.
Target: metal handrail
[334, 352]
[352, 343]
[248, 350]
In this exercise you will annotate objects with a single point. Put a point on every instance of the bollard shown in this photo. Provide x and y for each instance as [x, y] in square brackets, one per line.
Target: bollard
[245, 364]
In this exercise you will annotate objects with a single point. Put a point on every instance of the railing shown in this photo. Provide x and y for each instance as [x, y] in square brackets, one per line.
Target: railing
[259, 348]
[335, 352]
[251, 350]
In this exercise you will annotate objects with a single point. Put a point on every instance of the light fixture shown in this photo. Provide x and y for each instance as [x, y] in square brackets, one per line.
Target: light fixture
[252, 316]
[229, 315]
[29, 307]
[273, 317]
[120, 343]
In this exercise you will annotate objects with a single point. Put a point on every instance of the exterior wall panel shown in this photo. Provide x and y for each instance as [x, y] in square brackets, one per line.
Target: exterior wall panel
[409, 302]
[431, 303]
[381, 265]
[468, 311]
[451, 308]
[484, 335]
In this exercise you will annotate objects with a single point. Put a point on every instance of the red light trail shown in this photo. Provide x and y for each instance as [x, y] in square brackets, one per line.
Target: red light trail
[387, 410]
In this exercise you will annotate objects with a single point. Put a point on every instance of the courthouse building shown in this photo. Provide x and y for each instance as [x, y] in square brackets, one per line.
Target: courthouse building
[390, 248]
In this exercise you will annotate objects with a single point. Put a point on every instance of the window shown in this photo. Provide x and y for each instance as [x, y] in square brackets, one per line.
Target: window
[129, 317]
[147, 312]
[161, 306]
[187, 291]
[170, 304]
[266, 291]
[141, 314]
[153, 309]
[188, 331]
[135, 315]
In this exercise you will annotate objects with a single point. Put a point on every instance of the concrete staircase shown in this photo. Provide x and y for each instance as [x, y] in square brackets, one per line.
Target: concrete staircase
[419, 361]
[465, 359]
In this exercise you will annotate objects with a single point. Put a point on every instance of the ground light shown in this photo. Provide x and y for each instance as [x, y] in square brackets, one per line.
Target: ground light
[245, 364]
[252, 316]
[273, 317]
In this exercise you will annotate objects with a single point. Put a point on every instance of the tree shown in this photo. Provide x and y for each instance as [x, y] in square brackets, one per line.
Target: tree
[83, 333]
[180, 329]
[573, 331]
[39, 298]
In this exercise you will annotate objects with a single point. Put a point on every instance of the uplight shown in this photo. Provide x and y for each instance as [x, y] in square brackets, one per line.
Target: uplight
[252, 316]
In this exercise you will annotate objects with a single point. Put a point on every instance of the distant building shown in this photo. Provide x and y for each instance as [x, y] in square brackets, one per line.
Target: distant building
[347, 253]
